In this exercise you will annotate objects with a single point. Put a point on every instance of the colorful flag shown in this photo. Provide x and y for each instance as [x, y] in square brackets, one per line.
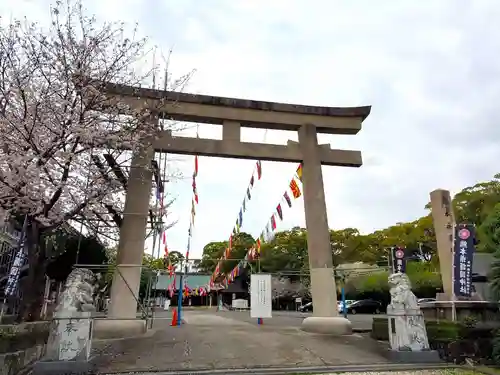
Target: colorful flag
[241, 217]
[196, 165]
[244, 205]
[237, 227]
[295, 189]
[299, 172]
[195, 192]
[165, 245]
[279, 211]
[273, 222]
[288, 200]
[170, 269]
[188, 248]
[259, 170]
[251, 181]
[248, 194]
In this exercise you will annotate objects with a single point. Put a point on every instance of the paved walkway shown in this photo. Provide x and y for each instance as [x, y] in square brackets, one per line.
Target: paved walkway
[215, 341]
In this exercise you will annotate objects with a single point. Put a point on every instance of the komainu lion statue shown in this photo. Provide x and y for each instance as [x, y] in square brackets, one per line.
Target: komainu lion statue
[78, 292]
[402, 298]
[404, 314]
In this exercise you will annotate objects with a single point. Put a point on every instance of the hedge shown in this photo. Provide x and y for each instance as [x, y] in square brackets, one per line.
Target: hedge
[425, 283]
[454, 341]
[436, 331]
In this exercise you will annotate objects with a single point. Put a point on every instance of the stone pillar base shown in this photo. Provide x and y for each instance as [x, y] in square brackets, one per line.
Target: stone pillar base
[63, 368]
[334, 325]
[118, 328]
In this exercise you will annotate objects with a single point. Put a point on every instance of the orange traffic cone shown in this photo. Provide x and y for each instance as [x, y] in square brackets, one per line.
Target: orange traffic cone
[174, 318]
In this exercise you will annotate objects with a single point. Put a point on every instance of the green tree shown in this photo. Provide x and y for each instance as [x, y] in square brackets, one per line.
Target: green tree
[473, 204]
[489, 232]
[214, 251]
[286, 253]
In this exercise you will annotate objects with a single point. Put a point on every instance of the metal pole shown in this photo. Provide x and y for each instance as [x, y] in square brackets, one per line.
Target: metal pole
[179, 305]
[344, 307]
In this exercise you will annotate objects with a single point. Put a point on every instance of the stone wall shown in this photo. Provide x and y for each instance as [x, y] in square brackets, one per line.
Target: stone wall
[21, 345]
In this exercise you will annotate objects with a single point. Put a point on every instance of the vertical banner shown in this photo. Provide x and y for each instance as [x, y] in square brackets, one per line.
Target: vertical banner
[398, 260]
[463, 253]
[15, 269]
[260, 296]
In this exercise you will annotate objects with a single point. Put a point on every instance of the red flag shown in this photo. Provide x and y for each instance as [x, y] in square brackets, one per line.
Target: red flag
[259, 169]
[164, 238]
[196, 165]
[295, 189]
[279, 211]
[273, 222]
[170, 269]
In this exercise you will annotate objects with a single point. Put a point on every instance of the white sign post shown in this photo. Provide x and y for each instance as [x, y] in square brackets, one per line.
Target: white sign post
[260, 297]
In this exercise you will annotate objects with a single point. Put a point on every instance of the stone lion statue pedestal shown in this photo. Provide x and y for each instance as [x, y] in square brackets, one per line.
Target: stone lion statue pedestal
[70, 337]
[407, 332]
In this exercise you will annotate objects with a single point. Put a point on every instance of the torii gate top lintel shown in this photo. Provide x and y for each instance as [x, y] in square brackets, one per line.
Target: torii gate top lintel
[249, 113]
[233, 114]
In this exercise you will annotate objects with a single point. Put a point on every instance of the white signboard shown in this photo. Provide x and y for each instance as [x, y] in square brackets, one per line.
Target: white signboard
[260, 296]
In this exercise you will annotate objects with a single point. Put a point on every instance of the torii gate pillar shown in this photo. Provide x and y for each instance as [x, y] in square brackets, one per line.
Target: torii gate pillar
[127, 275]
[325, 317]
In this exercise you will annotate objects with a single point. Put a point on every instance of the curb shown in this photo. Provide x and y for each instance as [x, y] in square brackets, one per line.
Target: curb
[298, 370]
[361, 330]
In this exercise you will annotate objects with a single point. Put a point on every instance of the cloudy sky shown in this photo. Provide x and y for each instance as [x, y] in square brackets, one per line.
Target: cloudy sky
[429, 69]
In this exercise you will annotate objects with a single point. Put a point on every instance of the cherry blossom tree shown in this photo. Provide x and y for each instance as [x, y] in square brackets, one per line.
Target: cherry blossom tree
[52, 125]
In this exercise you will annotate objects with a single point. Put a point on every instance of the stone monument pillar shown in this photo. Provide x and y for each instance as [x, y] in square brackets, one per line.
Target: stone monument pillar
[126, 280]
[325, 317]
[443, 218]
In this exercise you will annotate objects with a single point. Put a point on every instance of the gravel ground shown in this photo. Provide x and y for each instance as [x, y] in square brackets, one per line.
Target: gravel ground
[415, 372]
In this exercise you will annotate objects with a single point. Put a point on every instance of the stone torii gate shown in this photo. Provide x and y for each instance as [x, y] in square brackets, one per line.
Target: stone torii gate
[233, 114]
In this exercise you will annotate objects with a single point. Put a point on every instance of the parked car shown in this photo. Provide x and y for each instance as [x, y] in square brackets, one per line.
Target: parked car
[365, 306]
[348, 302]
[306, 307]
[425, 300]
